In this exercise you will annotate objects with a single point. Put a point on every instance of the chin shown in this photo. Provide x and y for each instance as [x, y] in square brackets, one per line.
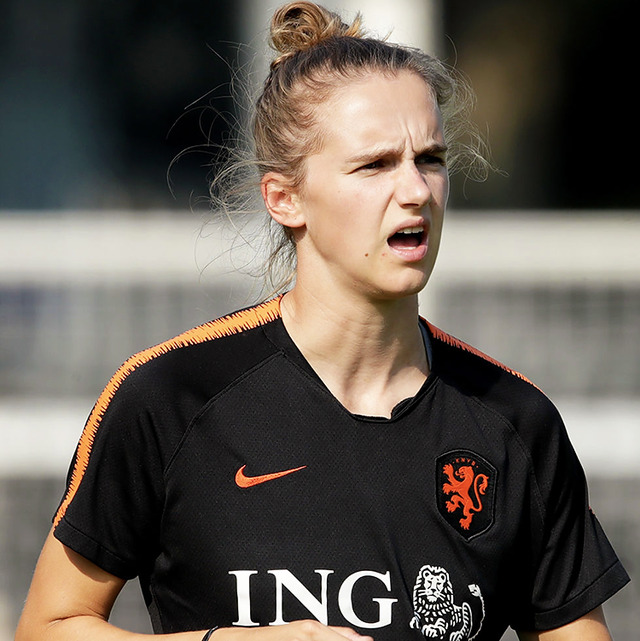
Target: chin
[398, 291]
[414, 283]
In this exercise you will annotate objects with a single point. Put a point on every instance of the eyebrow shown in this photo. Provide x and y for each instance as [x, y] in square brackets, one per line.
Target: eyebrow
[384, 152]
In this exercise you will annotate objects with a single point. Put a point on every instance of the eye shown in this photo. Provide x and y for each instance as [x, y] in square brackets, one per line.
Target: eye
[374, 164]
[430, 159]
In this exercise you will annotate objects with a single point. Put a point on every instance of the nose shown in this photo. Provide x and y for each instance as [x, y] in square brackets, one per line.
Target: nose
[412, 187]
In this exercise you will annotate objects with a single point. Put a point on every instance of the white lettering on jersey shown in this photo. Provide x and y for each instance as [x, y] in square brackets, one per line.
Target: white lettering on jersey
[244, 597]
[345, 601]
[318, 607]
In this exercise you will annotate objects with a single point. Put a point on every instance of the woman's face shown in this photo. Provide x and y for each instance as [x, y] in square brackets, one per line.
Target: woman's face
[372, 201]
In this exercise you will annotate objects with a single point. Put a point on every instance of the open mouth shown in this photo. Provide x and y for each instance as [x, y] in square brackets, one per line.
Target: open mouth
[408, 238]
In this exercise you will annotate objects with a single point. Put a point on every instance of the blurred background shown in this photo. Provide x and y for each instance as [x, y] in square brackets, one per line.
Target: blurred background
[109, 115]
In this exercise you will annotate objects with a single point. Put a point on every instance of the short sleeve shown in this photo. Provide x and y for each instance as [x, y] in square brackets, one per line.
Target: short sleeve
[112, 505]
[575, 568]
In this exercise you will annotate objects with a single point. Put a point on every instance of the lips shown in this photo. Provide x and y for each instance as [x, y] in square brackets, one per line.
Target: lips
[407, 238]
[409, 242]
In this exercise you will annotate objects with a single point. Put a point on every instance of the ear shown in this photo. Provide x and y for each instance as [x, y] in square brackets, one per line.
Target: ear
[281, 200]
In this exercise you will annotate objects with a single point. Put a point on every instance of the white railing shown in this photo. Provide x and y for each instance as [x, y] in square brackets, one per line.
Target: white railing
[112, 280]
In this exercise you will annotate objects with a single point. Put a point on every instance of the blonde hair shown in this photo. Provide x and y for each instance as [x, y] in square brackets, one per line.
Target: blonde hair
[315, 51]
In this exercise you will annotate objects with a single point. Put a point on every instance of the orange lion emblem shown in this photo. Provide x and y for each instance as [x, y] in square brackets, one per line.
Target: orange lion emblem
[467, 489]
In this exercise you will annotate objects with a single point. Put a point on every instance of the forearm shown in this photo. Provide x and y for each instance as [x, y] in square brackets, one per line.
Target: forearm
[83, 627]
[70, 599]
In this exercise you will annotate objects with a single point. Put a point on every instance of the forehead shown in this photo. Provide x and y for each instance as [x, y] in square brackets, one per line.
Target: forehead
[380, 110]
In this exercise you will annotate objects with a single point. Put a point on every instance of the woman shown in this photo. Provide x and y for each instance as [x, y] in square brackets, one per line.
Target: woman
[326, 462]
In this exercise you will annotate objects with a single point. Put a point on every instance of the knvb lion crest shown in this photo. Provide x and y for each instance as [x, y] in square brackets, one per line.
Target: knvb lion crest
[435, 612]
[466, 491]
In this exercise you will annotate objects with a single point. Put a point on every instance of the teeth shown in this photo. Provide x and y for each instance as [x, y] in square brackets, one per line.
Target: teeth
[411, 230]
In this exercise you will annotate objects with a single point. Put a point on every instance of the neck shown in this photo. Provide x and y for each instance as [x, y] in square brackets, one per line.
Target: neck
[370, 354]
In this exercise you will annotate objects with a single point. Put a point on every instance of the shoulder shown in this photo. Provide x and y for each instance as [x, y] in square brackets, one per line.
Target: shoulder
[166, 385]
[505, 391]
[153, 396]
[457, 359]
[214, 351]
[151, 399]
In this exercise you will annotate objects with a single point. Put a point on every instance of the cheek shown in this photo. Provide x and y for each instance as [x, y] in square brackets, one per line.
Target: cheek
[441, 189]
[329, 224]
[340, 215]
[440, 198]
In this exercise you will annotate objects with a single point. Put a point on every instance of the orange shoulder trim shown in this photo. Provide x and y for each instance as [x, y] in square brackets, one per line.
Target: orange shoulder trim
[455, 342]
[225, 326]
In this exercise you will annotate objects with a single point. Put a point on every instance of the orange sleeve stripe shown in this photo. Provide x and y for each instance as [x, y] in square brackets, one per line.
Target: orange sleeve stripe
[455, 342]
[226, 326]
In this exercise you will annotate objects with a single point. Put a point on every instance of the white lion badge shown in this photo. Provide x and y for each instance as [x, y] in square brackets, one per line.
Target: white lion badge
[435, 613]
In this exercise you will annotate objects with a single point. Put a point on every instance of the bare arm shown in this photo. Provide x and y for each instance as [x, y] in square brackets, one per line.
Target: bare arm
[70, 599]
[591, 627]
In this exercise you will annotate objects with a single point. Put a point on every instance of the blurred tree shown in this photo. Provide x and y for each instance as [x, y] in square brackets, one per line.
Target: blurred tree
[97, 98]
[163, 70]
[545, 75]
[93, 98]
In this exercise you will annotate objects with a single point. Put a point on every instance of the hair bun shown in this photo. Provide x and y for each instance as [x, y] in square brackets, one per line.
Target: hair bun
[297, 26]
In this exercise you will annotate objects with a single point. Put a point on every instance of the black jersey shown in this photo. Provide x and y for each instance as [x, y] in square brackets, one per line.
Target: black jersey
[219, 469]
